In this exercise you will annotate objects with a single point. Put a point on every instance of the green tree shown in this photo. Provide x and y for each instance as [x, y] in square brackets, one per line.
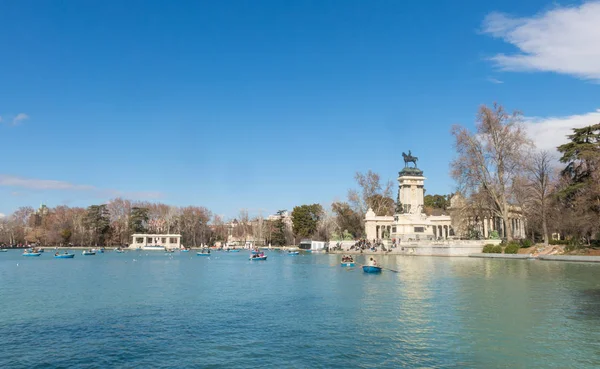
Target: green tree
[347, 221]
[305, 219]
[581, 192]
[437, 201]
[138, 219]
[278, 237]
[97, 221]
[65, 235]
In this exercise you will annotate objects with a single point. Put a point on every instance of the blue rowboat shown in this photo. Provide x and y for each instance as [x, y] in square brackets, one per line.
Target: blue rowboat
[257, 258]
[293, 253]
[203, 253]
[371, 269]
[233, 251]
[348, 264]
[64, 256]
[88, 253]
[185, 250]
[32, 253]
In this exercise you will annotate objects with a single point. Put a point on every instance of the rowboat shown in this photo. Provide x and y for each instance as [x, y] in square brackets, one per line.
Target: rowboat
[203, 253]
[371, 269]
[88, 253]
[185, 250]
[347, 261]
[258, 257]
[64, 256]
[3, 250]
[235, 250]
[119, 251]
[32, 253]
[291, 253]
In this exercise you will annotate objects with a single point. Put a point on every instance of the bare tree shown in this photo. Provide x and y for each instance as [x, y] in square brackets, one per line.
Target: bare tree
[372, 194]
[489, 160]
[539, 186]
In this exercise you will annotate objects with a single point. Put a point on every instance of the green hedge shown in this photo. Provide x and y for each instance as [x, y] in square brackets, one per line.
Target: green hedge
[559, 242]
[512, 248]
[525, 243]
[492, 249]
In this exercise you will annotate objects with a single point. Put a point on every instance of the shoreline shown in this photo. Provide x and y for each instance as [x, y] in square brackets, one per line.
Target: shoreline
[394, 252]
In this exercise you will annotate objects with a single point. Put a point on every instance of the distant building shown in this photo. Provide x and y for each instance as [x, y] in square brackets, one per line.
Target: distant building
[155, 241]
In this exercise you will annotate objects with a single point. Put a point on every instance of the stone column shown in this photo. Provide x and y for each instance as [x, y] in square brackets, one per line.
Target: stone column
[485, 228]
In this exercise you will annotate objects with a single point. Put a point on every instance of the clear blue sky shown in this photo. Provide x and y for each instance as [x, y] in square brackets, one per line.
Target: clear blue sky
[248, 104]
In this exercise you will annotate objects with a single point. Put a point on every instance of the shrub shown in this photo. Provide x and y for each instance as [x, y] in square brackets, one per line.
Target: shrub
[525, 243]
[487, 249]
[512, 248]
[497, 249]
[558, 242]
[494, 235]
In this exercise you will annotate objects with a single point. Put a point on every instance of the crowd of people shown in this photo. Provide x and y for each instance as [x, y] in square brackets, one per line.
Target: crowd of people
[373, 245]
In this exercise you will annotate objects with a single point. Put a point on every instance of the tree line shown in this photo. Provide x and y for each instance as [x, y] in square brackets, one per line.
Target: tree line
[497, 169]
[500, 172]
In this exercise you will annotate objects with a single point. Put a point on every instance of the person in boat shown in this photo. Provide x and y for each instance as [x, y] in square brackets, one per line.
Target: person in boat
[372, 262]
[56, 254]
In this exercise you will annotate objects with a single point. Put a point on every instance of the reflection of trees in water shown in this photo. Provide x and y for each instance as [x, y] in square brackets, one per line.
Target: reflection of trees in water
[587, 304]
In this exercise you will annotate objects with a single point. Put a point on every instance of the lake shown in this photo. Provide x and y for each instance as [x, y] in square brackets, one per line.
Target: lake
[151, 310]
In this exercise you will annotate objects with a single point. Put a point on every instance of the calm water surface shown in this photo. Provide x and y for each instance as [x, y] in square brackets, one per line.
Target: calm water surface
[142, 310]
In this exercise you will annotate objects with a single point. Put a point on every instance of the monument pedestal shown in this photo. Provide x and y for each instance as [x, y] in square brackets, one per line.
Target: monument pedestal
[410, 223]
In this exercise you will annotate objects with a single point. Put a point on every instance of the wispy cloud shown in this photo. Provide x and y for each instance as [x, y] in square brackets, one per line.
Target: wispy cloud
[562, 40]
[41, 184]
[550, 132]
[19, 118]
[494, 80]
[54, 185]
[14, 120]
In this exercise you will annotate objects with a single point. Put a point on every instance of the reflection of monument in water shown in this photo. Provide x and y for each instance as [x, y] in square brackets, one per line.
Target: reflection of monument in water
[409, 222]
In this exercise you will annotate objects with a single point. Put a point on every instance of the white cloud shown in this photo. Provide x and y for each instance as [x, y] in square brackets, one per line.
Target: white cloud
[40, 184]
[562, 40]
[19, 118]
[494, 80]
[548, 133]
[48, 184]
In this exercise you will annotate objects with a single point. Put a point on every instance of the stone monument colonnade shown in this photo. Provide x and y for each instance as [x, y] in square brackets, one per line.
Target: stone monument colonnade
[409, 222]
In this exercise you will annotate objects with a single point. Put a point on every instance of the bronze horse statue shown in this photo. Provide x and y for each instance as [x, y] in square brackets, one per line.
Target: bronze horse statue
[409, 159]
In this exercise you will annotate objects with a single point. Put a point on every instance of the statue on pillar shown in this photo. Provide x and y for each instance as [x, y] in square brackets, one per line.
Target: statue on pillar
[409, 159]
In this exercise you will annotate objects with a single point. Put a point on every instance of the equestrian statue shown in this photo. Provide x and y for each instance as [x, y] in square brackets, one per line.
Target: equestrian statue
[409, 159]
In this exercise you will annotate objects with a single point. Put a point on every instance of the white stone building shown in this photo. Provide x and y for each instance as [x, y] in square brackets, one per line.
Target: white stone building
[410, 223]
[168, 241]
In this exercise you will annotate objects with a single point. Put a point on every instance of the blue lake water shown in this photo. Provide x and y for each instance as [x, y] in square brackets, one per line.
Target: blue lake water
[151, 310]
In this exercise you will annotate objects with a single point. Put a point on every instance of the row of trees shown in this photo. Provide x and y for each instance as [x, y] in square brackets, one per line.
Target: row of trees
[109, 224]
[500, 172]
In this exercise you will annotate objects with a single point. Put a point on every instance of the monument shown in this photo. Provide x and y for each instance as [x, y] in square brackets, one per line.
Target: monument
[409, 222]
